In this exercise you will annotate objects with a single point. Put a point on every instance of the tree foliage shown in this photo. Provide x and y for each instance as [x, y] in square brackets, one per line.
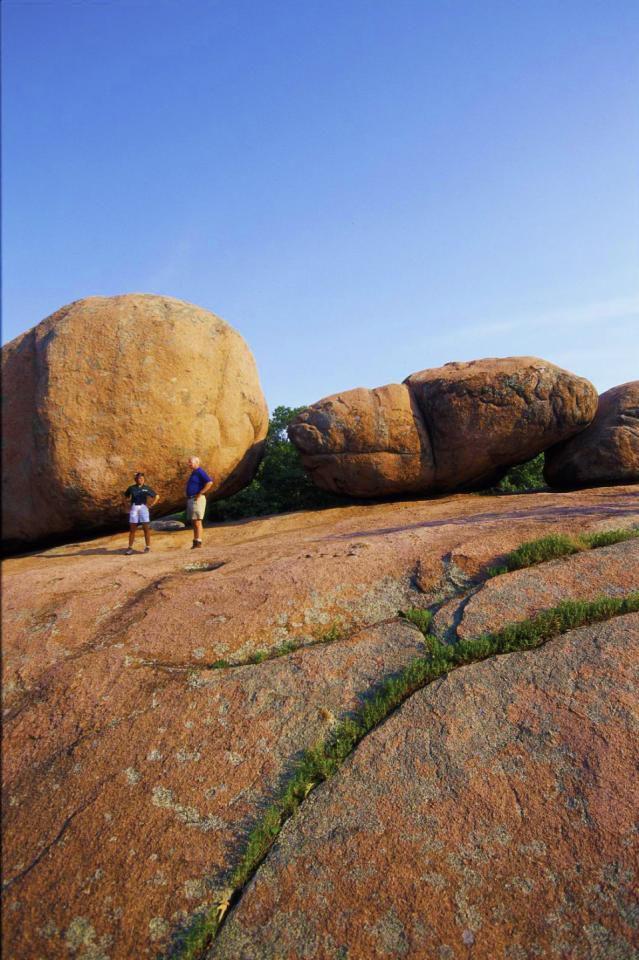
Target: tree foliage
[281, 484]
[523, 478]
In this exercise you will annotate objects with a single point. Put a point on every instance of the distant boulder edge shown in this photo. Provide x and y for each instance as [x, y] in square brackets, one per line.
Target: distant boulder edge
[607, 451]
[460, 426]
[107, 386]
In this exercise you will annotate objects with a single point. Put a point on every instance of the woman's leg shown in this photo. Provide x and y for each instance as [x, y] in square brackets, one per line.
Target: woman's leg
[132, 528]
[147, 534]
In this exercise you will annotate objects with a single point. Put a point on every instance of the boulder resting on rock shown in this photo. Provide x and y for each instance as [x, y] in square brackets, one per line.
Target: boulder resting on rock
[107, 386]
[607, 452]
[453, 427]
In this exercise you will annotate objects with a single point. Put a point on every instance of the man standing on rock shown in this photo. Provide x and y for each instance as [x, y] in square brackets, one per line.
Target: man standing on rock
[197, 486]
[139, 512]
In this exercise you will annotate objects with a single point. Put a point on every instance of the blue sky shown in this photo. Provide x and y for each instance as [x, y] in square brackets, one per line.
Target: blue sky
[363, 188]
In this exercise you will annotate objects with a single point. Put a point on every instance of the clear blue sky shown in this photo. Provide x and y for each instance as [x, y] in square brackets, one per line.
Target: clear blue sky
[363, 188]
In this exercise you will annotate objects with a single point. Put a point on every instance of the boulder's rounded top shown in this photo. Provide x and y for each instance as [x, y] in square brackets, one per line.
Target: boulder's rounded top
[148, 302]
[459, 370]
[623, 392]
[98, 308]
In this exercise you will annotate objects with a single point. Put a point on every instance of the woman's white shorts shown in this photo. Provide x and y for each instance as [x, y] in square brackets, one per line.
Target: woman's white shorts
[139, 513]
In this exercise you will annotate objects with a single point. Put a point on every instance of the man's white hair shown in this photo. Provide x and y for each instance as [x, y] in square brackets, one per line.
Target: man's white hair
[195, 461]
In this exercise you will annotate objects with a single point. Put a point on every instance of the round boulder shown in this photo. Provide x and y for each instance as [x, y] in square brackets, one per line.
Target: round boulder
[107, 386]
[608, 451]
[485, 416]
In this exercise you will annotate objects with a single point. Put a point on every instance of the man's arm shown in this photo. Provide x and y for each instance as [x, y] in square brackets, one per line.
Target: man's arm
[208, 483]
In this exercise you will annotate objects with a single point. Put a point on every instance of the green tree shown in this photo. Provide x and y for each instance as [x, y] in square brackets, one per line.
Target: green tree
[281, 484]
[522, 478]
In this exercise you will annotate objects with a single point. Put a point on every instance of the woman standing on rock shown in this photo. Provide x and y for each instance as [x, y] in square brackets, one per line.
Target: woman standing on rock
[139, 512]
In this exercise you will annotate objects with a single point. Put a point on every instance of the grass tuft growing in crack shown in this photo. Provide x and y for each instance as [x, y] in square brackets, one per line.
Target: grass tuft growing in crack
[320, 762]
[606, 538]
[332, 635]
[420, 618]
[557, 545]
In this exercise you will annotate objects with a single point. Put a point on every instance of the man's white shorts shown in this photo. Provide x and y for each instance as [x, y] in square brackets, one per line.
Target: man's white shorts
[139, 513]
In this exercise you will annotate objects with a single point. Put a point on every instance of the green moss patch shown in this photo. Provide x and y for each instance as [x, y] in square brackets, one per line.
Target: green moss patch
[557, 545]
[332, 635]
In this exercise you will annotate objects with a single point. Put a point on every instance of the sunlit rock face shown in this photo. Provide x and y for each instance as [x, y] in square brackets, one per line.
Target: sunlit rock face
[365, 442]
[608, 451]
[110, 385]
[460, 425]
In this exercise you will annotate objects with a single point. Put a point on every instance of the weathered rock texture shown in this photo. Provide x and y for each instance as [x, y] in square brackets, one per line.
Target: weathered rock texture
[366, 441]
[151, 809]
[496, 810]
[608, 571]
[486, 415]
[132, 763]
[460, 425]
[111, 385]
[607, 451]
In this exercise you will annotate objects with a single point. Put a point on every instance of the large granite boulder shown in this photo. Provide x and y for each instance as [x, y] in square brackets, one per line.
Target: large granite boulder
[457, 426]
[366, 441]
[110, 385]
[486, 415]
[608, 451]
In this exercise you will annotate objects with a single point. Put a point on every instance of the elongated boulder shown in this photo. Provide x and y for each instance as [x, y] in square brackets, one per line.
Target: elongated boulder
[608, 451]
[363, 442]
[457, 426]
[110, 385]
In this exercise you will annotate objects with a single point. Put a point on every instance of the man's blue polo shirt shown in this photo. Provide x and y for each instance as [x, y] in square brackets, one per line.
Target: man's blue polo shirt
[196, 482]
